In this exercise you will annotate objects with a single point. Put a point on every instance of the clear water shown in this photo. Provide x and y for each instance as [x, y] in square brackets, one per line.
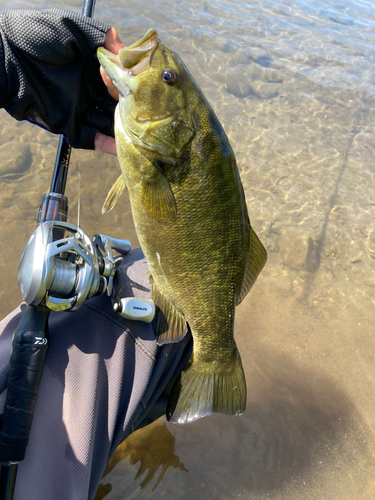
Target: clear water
[292, 82]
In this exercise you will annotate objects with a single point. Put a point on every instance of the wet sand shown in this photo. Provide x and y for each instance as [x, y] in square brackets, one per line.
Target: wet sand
[293, 88]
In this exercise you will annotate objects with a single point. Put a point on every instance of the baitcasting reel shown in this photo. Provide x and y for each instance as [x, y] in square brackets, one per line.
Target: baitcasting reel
[61, 267]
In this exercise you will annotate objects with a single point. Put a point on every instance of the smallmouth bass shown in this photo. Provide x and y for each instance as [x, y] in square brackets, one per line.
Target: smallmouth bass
[191, 218]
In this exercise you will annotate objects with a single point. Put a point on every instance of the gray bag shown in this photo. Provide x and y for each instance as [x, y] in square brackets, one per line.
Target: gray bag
[103, 378]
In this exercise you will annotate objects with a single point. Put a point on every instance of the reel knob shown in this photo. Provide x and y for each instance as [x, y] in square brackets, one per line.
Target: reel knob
[135, 309]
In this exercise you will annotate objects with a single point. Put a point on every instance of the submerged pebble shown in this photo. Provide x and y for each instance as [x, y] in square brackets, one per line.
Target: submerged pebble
[242, 56]
[15, 160]
[237, 84]
[294, 256]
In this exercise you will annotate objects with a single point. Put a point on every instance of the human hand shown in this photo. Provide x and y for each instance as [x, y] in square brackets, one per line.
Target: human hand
[52, 76]
[113, 44]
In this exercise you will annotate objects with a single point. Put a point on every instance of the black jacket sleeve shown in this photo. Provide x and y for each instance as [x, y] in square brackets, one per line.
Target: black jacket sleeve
[49, 73]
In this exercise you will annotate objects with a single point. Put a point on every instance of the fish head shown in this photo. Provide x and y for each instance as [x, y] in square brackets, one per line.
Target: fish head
[155, 89]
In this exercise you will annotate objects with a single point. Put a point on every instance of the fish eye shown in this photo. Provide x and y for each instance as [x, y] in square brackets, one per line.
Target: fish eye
[168, 76]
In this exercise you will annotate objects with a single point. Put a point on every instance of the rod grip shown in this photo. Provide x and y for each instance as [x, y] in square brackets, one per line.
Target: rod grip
[8, 474]
[29, 348]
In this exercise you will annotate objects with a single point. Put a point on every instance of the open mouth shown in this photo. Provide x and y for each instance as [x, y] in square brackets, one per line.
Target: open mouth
[130, 61]
[137, 57]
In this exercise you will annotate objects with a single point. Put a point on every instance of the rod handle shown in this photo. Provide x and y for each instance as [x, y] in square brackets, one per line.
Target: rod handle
[29, 348]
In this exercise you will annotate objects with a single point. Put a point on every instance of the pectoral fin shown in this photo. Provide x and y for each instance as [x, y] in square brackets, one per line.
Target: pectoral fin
[157, 195]
[113, 195]
[256, 259]
[170, 322]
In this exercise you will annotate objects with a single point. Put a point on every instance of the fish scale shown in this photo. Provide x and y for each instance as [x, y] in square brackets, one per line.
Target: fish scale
[191, 219]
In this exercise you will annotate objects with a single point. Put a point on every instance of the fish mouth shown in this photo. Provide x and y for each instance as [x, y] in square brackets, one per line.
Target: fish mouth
[137, 57]
[130, 61]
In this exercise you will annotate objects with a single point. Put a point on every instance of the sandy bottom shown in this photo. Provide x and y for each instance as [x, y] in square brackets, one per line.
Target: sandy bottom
[301, 122]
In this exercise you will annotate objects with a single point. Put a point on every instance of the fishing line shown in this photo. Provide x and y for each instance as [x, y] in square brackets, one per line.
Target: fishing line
[79, 197]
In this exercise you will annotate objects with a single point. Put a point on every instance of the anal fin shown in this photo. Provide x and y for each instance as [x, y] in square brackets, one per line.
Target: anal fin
[170, 323]
[256, 260]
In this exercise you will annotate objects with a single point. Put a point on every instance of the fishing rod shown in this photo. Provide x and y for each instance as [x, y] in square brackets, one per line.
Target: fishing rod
[23, 373]
[59, 269]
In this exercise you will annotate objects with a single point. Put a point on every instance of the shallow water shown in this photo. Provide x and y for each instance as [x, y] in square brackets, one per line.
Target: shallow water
[293, 85]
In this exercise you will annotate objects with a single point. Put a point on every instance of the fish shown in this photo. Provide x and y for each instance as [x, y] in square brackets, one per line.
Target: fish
[191, 218]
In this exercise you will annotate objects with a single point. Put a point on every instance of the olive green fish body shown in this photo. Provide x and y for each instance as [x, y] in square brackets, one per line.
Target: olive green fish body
[191, 218]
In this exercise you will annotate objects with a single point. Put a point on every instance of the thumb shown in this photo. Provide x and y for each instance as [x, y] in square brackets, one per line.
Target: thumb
[113, 44]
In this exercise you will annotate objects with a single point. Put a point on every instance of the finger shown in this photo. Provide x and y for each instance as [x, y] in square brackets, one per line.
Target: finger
[105, 143]
[113, 92]
[113, 44]
[112, 41]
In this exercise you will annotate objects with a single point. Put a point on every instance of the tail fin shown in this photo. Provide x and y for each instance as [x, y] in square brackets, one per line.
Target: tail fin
[206, 388]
